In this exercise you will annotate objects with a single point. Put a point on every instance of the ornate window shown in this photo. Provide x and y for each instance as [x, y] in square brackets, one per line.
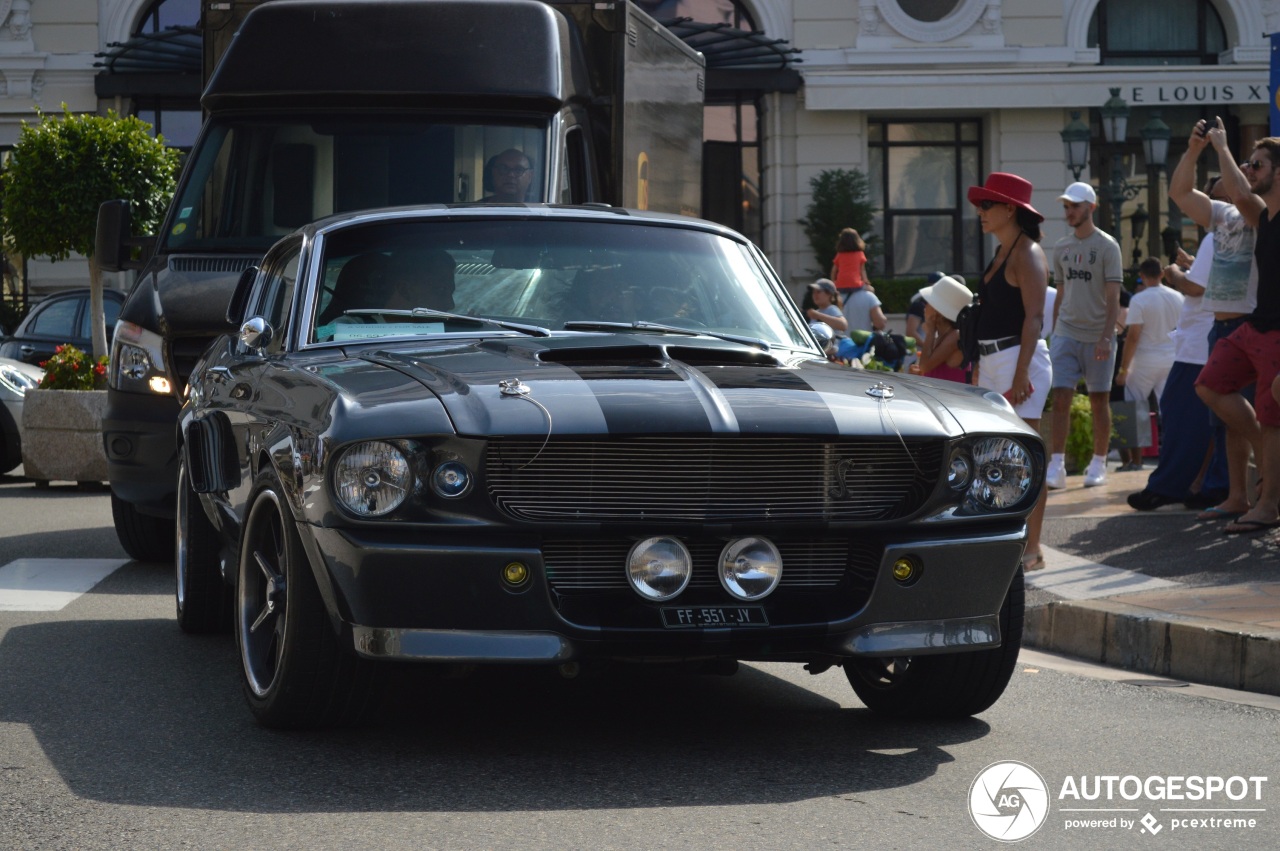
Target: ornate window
[930, 21]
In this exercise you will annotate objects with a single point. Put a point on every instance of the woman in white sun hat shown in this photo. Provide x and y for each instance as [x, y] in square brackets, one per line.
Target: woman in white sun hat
[940, 354]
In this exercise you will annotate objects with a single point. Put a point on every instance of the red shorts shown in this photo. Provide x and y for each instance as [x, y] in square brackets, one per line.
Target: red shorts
[1243, 358]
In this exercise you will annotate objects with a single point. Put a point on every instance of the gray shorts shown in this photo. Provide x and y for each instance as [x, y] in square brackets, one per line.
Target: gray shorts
[1073, 360]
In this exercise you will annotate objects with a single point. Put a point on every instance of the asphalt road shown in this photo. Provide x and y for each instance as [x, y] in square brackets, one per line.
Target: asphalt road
[118, 731]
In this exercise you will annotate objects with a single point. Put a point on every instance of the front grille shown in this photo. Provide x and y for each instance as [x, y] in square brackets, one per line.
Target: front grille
[185, 351]
[593, 566]
[712, 479]
[216, 263]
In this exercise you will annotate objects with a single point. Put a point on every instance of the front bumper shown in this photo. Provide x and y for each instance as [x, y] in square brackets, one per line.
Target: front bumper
[138, 434]
[441, 603]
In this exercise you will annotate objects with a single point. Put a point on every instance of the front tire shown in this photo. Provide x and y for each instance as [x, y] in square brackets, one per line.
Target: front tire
[143, 537]
[203, 599]
[951, 685]
[296, 673]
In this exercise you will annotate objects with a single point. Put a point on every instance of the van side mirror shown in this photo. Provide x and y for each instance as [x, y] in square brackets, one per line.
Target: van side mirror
[240, 298]
[114, 227]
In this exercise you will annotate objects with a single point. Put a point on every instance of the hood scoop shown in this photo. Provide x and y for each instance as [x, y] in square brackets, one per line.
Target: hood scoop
[657, 356]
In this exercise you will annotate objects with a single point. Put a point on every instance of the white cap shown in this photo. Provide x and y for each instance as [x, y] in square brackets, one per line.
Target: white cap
[1078, 193]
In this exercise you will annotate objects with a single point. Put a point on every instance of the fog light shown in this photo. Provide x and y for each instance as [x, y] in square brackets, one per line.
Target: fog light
[750, 568]
[515, 573]
[159, 384]
[905, 570]
[659, 568]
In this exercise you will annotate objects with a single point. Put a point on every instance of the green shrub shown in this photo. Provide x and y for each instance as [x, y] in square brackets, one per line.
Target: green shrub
[895, 293]
[839, 201]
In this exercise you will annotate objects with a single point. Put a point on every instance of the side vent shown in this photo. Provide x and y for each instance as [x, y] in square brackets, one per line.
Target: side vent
[210, 450]
[234, 265]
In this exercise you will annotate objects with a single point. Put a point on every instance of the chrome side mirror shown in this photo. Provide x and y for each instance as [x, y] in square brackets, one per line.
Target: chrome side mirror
[256, 333]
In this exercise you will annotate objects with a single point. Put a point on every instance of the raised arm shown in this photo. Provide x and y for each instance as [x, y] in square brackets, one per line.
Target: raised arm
[1234, 183]
[1182, 183]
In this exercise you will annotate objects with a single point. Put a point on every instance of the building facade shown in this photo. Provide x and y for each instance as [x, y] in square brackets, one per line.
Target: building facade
[926, 97]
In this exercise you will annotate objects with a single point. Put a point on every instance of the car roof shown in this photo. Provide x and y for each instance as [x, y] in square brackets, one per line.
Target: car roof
[582, 213]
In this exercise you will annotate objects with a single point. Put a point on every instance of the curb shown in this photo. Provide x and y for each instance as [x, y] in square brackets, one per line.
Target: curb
[1200, 650]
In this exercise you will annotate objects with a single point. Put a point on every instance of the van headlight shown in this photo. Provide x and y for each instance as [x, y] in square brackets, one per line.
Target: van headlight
[137, 362]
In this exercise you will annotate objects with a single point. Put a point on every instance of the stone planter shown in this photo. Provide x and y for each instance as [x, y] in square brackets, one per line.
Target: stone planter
[62, 435]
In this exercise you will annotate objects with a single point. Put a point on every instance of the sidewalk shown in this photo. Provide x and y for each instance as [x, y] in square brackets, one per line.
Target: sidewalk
[1226, 635]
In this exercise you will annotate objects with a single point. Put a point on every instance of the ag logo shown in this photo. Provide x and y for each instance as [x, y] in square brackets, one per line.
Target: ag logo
[1008, 801]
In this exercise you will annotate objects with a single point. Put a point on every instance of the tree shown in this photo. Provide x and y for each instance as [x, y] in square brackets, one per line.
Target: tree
[59, 173]
[839, 201]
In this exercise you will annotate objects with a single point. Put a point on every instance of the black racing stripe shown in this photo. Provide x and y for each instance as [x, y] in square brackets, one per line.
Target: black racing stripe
[772, 401]
[645, 399]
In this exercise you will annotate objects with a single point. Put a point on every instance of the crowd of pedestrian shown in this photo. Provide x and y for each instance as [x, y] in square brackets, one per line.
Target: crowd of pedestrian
[1199, 334]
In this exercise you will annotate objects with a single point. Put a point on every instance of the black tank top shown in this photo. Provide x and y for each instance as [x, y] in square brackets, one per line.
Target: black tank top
[1002, 313]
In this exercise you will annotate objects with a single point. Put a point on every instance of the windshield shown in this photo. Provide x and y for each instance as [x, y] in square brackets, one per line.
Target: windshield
[580, 275]
[254, 180]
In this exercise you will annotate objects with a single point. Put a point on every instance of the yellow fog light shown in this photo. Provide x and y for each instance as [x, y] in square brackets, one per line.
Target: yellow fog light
[159, 384]
[905, 569]
[515, 574]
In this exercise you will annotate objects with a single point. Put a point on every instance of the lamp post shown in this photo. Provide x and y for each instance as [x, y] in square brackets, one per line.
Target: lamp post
[1138, 221]
[1075, 144]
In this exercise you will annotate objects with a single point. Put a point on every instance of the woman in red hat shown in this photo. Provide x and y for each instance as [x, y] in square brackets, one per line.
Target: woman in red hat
[1014, 359]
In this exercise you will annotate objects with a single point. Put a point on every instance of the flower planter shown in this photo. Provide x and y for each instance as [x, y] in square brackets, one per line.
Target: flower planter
[62, 435]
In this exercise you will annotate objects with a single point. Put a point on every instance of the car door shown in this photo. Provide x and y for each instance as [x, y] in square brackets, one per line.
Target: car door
[52, 323]
[255, 397]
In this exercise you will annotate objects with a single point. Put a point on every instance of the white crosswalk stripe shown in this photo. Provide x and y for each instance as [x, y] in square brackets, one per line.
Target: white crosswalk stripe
[49, 584]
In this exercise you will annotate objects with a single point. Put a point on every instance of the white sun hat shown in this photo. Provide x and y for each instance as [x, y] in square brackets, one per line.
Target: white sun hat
[948, 296]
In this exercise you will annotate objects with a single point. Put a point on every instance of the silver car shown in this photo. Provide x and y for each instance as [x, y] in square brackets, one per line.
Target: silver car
[16, 378]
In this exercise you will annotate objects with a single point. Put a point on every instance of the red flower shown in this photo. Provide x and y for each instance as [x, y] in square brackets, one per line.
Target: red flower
[58, 349]
[100, 369]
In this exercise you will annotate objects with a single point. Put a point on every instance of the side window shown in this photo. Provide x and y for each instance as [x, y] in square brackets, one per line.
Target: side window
[110, 313]
[275, 301]
[573, 181]
[58, 319]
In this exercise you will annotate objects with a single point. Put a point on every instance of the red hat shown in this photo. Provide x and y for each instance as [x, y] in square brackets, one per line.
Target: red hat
[1005, 189]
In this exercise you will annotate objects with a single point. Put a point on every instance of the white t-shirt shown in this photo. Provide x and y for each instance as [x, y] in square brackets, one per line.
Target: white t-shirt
[1232, 286]
[1191, 337]
[1156, 309]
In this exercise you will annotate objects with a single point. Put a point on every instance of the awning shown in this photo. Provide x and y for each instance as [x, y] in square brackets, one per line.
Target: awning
[740, 59]
[163, 64]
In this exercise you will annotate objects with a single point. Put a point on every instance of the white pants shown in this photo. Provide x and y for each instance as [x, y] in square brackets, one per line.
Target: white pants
[995, 372]
[1143, 377]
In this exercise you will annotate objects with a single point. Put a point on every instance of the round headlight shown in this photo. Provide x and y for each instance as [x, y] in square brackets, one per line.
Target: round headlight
[1002, 473]
[750, 568]
[451, 479]
[959, 471]
[371, 478]
[659, 568]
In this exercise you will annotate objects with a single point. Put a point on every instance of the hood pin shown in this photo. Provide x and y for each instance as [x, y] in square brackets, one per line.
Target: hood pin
[881, 391]
[513, 387]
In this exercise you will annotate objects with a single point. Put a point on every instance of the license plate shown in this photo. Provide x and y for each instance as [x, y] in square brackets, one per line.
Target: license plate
[713, 616]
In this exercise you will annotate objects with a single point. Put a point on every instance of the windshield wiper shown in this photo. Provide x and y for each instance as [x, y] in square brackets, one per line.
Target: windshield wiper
[428, 313]
[591, 325]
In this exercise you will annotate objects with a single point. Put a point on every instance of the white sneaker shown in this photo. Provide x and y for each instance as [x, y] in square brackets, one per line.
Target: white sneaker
[1056, 476]
[1095, 474]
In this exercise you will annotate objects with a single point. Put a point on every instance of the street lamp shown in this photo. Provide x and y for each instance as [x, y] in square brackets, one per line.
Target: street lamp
[1138, 221]
[1075, 144]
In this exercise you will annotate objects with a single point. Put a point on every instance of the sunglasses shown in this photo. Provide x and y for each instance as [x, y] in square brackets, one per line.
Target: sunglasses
[511, 171]
[1253, 164]
[984, 206]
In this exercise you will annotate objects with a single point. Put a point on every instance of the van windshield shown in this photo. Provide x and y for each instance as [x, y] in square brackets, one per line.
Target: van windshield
[253, 180]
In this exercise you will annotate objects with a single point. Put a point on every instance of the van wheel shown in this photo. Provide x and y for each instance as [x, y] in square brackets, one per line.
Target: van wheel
[296, 672]
[203, 599]
[951, 685]
[144, 537]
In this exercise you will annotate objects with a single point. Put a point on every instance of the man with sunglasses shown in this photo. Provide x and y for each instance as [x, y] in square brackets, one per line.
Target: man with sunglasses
[1252, 352]
[1230, 294]
[508, 175]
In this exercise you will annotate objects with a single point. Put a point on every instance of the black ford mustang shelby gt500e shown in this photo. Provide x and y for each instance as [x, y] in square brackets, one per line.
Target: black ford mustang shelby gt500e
[557, 436]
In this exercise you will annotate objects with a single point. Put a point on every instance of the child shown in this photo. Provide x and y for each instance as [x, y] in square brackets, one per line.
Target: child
[940, 354]
[849, 270]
